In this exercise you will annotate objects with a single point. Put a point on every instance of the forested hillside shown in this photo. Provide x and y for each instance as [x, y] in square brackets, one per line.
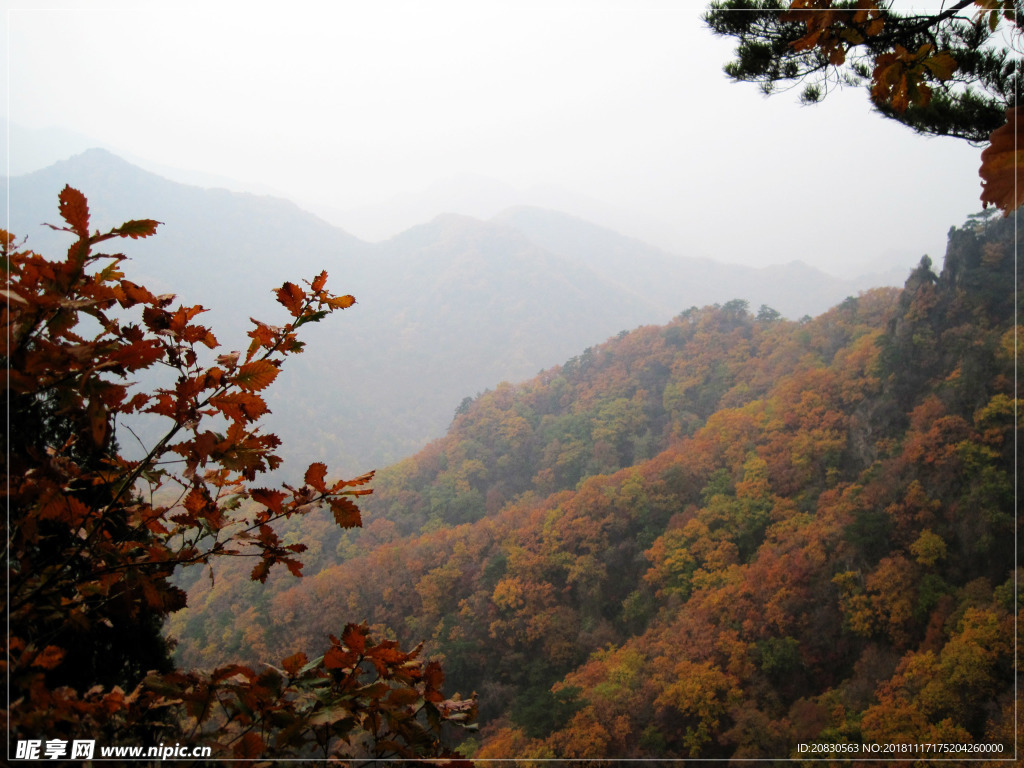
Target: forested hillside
[721, 537]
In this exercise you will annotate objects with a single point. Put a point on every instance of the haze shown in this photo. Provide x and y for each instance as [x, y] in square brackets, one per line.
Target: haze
[610, 109]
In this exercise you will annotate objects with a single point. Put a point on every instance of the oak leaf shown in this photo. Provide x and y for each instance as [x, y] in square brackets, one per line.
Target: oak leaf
[291, 297]
[346, 513]
[269, 498]
[319, 282]
[250, 746]
[49, 657]
[354, 637]
[315, 476]
[1002, 163]
[941, 65]
[136, 228]
[74, 210]
[339, 658]
[256, 375]
[341, 302]
[294, 663]
[260, 571]
[240, 406]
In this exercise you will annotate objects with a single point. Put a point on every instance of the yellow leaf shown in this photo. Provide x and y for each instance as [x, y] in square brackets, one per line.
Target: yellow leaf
[942, 65]
[341, 302]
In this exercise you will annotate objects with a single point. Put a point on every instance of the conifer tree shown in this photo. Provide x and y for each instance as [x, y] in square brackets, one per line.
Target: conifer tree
[951, 71]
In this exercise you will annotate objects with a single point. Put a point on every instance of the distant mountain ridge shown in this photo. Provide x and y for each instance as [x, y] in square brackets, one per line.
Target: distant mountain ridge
[445, 309]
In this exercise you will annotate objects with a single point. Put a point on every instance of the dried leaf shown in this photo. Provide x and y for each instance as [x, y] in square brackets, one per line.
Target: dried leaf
[256, 375]
[315, 476]
[1002, 165]
[250, 746]
[339, 658]
[941, 65]
[137, 228]
[97, 420]
[74, 210]
[260, 571]
[361, 480]
[291, 296]
[354, 637]
[240, 406]
[271, 499]
[294, 663]
[341, 302]
[49, 657]
[346, 513]
[232, 670]
[403, 697]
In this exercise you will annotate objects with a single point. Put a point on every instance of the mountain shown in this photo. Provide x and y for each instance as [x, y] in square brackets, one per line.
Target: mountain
[482, 198]
[451, 308]
[723, 537]
[445, 309]
[677, 282]
[211, 243]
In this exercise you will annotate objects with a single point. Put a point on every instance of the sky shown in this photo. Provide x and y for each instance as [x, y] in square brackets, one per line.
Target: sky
[347, 105]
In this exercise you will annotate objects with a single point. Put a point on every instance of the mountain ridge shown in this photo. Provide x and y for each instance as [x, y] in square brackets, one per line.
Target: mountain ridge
[391, 371]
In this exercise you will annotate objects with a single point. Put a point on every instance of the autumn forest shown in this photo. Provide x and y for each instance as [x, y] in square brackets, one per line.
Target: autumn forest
[720, 537]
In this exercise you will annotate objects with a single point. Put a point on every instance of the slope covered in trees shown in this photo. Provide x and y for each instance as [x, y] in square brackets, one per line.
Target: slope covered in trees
[724, 536]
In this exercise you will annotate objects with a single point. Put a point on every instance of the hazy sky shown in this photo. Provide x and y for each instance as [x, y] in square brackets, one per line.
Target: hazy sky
[347, 103]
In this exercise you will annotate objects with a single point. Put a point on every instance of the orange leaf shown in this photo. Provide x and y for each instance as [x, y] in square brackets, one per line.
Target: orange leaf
[294, 663]
[354, 637]
[269, 498]
[49, 658]
[74, 210]
[361, 480]
[346, 513]
[240, 406]
[1002, 163]
[262, 335]
[260, 571]
[134, 294]
[197, 500]
[315, 476]
[231, 670]
[402, 697]
[139, 354]
[250, 746]
[433, 677]
[136, 228]
[256, 375]
[339, 658]
[291, 296]
[341, 302]
[97, 420]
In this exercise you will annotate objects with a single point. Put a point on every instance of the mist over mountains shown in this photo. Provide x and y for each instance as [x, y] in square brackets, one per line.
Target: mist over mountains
[446, 309]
